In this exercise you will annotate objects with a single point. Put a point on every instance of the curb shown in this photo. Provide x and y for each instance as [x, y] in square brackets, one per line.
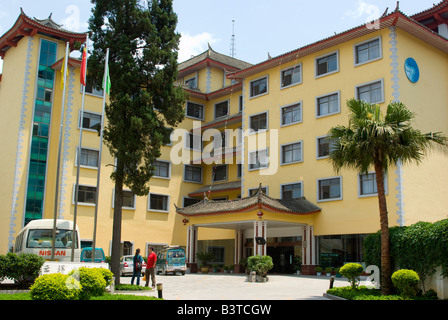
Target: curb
[332, 297]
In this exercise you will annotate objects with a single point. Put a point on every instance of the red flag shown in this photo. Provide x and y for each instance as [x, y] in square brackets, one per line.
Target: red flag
[84, 66]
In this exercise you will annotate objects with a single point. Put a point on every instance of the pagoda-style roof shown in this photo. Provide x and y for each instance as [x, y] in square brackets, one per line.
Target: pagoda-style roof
[26, 26]
[394, 19]
[433, 17]
[259, 201]
[211, 58]
[72, 63]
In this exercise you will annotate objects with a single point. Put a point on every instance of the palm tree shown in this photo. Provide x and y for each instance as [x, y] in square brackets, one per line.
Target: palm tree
[372, 139]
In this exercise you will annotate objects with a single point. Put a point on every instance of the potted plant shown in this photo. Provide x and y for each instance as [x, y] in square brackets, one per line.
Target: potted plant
[328, 271]
[215, 267]
[226, 269]
[260, 265]
[205, 257]
[318, 270]
[336, 271]
[297, 265]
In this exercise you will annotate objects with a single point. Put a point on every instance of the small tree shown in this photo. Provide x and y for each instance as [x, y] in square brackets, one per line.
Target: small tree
[406, 281]
[260, 264]
[352, 271]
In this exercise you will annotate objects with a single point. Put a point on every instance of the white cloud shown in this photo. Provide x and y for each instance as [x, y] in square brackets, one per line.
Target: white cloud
[73, 20]
[363, 8]
[192, 45]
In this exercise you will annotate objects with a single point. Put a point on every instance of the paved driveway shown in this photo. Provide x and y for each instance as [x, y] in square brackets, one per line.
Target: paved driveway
[235, 287]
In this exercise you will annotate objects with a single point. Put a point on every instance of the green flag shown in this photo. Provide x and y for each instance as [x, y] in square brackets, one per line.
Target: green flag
[106, 82]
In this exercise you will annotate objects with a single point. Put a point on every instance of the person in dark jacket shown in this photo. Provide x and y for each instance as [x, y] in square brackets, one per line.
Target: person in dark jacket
[137, 271]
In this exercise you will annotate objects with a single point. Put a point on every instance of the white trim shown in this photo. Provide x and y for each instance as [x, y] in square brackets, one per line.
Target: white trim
[169, 170]
[292, 84]
[338, 93]
[122, 207]
[261, 94]
[380, 38]
[197, 166]
[291, 105]
[282, 163]
[157, 210]
[316, 76]
[332, 199]
[381, 81]
[289, 183]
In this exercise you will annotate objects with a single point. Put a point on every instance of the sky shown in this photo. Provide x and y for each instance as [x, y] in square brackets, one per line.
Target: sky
[260, 27]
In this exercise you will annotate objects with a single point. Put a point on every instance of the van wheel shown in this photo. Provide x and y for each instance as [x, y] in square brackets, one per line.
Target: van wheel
[183, 273]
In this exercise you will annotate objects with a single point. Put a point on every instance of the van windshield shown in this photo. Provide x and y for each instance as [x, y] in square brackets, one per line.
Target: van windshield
[176, 254]
[87, 254]
[43, 238]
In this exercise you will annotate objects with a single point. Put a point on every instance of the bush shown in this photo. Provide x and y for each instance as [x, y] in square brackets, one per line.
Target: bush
[107, 275]
[92, 282]
[55, 286]
[23, 268]
[260, 264]
[352, 272]
[406, 281]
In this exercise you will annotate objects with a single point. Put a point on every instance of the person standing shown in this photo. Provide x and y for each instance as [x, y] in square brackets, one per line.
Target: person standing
[137, 269]
[151, 267]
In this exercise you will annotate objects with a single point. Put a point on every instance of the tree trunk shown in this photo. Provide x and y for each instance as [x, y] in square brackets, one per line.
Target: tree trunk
[116, 230]
[386, 269]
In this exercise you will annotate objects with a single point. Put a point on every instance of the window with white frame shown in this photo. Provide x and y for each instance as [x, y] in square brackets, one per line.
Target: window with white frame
[291, 153]
[291, 114]
[162, 169]
[371, 92]
[329, 189]
[367, 185]
[194, 110]
[258, 159]
[89, 158]
[259, 122]
[86, 194]
[91, 89]
[220, 140]
[192, 173]
[291, 76]
[219, 173]
[291, 191]
[129, 200]
[368, 51]
[191, 83]
[90, 120]
[259, 87]
[158, 202]
[324, 146]
[221, 109]
[327, 105]
[327, 64]
[193, 141]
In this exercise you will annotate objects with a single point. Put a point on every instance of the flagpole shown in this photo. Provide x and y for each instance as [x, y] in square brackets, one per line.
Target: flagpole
[75, 236]
[56, 197]
[106, 71]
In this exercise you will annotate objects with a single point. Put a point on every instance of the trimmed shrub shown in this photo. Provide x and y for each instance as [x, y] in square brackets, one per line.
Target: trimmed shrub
[260, 264]
[107, 275]
[24, 268]
[92, 282]
[406, 281]
[55, 286]
[352, 271]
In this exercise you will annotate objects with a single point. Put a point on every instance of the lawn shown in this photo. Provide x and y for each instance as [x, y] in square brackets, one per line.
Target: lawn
[106, 296]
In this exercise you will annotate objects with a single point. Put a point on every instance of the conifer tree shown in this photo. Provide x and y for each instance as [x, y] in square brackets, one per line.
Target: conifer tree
[144, 102]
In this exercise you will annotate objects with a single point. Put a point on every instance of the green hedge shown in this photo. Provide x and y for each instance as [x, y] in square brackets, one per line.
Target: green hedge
[55, 286]
[421, 247]
[23, 268]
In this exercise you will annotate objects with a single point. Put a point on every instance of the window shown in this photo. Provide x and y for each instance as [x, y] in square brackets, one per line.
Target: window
[240, 104]
[371, 92]
[129, 200]
[158, 202]
[92, 90]
[193, 142]
[195, 110]
[219, 173]
[259, 87]
[89, 158]
[192, 173]
[291, 76]
[327, 64]
[221, 109]
[220, 140]
[190, 201]
[367, 184]
[327, 105]
[254, 191]
[258, 159]
[324, 147]
[368, 51]
[90, 121]
[292, 114]
[162, 169]
[86, 194]
[291, 153]
[329, 189]
[239, 171]
[191, 83]
[291, 191]
[259, 122]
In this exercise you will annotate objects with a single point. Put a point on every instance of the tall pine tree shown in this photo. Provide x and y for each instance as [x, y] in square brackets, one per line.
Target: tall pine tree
[144, 102]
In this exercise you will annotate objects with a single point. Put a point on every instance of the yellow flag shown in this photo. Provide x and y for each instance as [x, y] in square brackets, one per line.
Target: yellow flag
[62, 73]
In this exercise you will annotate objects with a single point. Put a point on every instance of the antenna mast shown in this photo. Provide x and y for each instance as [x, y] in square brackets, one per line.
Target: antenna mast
[232, 43]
